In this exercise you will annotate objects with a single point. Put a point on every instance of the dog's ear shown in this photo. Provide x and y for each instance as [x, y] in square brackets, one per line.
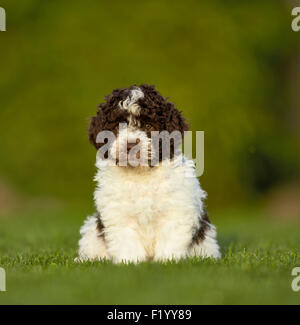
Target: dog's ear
[153, 103]
[108, 113]
[175, 120]
[96, 125]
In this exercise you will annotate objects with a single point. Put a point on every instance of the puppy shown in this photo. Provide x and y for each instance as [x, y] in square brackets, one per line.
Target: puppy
[148, 200]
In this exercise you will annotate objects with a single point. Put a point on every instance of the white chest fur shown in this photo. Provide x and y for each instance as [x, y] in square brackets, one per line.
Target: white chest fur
[146, 200]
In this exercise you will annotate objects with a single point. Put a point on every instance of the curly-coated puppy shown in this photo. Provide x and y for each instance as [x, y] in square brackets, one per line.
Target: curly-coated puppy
[149, 204]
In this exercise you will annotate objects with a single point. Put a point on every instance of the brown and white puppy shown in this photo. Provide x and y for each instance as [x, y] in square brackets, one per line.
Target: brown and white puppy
[148, 199]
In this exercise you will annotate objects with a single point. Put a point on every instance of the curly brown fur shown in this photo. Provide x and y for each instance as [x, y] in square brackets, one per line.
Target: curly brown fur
[161, 114]
[156, 114]
[109, 115]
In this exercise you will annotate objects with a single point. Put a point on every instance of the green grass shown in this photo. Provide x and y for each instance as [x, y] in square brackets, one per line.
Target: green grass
[37, 253]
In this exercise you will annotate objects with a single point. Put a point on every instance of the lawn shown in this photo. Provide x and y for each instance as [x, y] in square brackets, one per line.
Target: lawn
[37, 251]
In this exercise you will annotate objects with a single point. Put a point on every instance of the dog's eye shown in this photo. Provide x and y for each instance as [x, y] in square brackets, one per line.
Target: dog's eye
[148, 126]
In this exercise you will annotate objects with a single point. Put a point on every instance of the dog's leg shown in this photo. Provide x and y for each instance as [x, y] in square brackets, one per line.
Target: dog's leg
[124, 245]
[175, 240]
[172, 241]
[206, 245]
[91, 244]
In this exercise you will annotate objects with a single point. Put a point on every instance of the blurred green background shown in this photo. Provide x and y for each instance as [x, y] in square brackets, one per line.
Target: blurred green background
[231, 66]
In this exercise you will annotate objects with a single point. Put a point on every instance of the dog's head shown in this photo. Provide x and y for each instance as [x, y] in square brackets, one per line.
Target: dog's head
[141, 124]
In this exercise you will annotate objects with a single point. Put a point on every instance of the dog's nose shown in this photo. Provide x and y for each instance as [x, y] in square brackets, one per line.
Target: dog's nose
[131, 145]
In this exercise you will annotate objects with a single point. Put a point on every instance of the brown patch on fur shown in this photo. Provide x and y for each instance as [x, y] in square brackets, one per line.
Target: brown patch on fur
[100, 226]
[199, 236]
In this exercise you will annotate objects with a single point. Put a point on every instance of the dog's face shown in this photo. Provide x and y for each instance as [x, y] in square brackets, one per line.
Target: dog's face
[139, 119]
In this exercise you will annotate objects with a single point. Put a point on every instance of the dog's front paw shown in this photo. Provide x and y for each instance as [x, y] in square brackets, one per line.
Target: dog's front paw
[129, 259]
[166, 255]
[127, 256]
[168, 258]
[128, 251]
